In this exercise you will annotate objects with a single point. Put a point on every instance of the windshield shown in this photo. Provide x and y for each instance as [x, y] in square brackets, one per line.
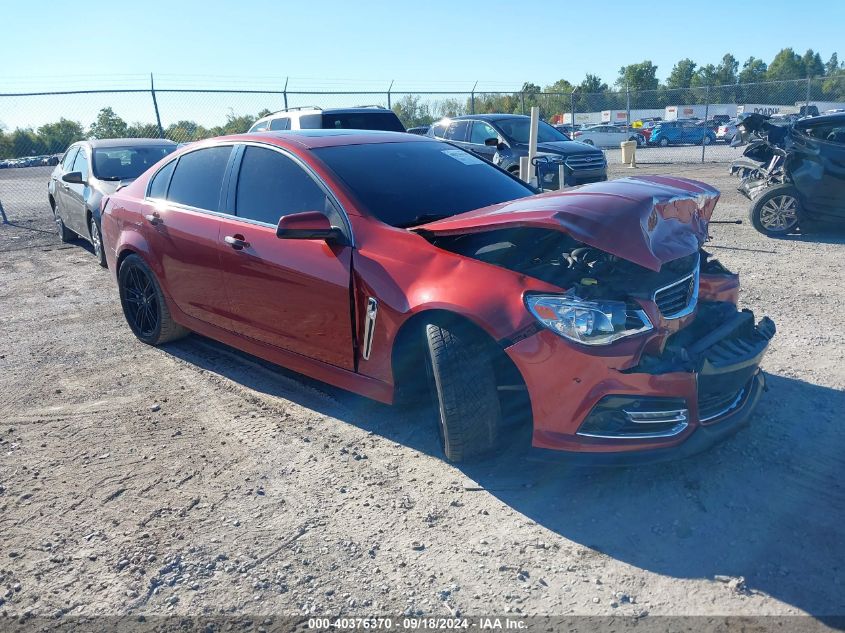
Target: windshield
[124, 163]
[410, 183]
[517, 129]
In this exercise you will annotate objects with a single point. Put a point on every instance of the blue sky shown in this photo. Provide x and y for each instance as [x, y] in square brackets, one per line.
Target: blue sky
[364, 45]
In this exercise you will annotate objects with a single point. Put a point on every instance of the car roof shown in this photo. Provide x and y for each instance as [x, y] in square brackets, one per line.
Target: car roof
[488, 117]
[836, 117]
[314, 138]
[133, 142]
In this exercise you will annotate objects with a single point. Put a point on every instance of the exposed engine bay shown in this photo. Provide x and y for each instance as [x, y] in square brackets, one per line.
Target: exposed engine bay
[557, 258]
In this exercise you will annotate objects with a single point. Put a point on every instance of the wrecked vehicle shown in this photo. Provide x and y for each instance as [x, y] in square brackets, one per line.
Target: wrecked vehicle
[794, 175]
[407, 270]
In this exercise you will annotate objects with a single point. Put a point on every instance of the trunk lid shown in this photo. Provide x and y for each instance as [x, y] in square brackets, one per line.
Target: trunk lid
[648, 220]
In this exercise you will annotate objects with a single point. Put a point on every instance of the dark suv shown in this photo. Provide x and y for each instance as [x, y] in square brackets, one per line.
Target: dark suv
[503, 138]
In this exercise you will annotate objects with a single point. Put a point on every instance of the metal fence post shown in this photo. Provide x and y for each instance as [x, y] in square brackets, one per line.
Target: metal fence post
[572, 110]
[285, 92]
[628, 104]
[3, 213]
[155, 107]
[389, 88]
[807, 103]
[472, 99]
[706, 114]
[522, 94]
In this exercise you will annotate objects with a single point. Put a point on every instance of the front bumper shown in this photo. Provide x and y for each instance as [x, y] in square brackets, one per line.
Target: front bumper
[707, 374]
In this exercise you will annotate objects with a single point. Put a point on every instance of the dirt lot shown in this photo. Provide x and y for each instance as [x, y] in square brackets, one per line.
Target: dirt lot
[195, 480]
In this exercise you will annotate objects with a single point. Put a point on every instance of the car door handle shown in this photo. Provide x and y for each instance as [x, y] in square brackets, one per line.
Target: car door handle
[236, 241]
[154, 219]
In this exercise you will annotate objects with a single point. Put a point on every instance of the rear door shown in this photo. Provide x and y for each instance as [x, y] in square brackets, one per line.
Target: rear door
[458, 133]
[292, 294]
[819, 167]
[182, 224]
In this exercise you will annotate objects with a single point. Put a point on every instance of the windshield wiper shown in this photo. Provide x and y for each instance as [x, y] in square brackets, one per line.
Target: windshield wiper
[423, 218]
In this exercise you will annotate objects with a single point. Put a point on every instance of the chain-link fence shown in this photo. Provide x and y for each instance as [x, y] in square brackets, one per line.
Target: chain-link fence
[689, 125]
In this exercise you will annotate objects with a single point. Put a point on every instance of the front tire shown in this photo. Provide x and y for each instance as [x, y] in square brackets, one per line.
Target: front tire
[464, 384]
[664, 142]
[96, 238]
[144, 305]
[777, 212]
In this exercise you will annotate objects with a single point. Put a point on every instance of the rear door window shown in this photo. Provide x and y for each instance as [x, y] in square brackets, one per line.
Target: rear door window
[271, 185]
[198, 178]
[457, 131]
[282, 123]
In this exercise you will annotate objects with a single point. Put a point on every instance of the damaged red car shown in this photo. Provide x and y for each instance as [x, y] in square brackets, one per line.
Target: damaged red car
[401, 268]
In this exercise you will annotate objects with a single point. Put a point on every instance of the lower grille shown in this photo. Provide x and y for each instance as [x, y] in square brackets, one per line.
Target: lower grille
[712, 406]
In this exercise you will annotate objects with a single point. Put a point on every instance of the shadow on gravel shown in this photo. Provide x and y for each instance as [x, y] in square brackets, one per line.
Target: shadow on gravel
[767, 505]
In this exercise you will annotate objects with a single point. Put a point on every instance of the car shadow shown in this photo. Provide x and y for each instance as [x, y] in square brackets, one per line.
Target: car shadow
[767, 505]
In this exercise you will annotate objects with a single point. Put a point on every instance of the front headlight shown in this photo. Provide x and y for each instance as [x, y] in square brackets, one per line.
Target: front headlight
[587, 322]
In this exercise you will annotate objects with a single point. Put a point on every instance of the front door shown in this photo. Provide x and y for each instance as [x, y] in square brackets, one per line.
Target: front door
[479, 133]
[75, 195]
[292, 294]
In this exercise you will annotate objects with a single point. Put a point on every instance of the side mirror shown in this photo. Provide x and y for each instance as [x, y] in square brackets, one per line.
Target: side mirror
[309, 225]
[491, 142]
[73, 178]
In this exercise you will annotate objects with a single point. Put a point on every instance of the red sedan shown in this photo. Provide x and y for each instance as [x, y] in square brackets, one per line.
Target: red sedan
[401, 268]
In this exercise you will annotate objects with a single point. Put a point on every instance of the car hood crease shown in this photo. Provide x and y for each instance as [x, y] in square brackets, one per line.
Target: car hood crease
[648, 220]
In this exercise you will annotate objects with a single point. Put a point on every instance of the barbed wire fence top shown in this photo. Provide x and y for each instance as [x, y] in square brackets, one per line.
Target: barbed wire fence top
[37, 127]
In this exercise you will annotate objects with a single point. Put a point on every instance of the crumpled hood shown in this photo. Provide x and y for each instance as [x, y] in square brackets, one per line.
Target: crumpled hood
[648, 220]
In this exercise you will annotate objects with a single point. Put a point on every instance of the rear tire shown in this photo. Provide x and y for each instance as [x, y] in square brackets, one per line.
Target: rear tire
[777, 212]
[65, 234]
[464, 384]
[144, 305]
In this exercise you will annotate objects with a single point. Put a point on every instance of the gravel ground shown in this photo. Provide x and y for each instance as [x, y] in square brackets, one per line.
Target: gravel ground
[194, 480]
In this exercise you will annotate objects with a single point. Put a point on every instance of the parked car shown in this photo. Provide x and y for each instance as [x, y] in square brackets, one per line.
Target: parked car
[90, 170]
[608, 136]
[503, 138]
[799, 182]
[564, 129]
[315, 118]
[681, 132]
[727, 131]
[405, 269]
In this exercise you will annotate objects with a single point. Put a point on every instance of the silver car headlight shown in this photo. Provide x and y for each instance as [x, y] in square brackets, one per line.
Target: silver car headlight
[587, 322]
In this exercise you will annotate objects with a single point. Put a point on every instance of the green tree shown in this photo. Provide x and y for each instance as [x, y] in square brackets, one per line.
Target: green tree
[682, 74]
[812, 63]
[59, 135]
[754, 70]
[25, 142]
[412, 111]
[142, 130]
[108, 125]
[592, 84]
[726, 71]
[189, 131]
[787, 64]
[637, 77]
[832, 67]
